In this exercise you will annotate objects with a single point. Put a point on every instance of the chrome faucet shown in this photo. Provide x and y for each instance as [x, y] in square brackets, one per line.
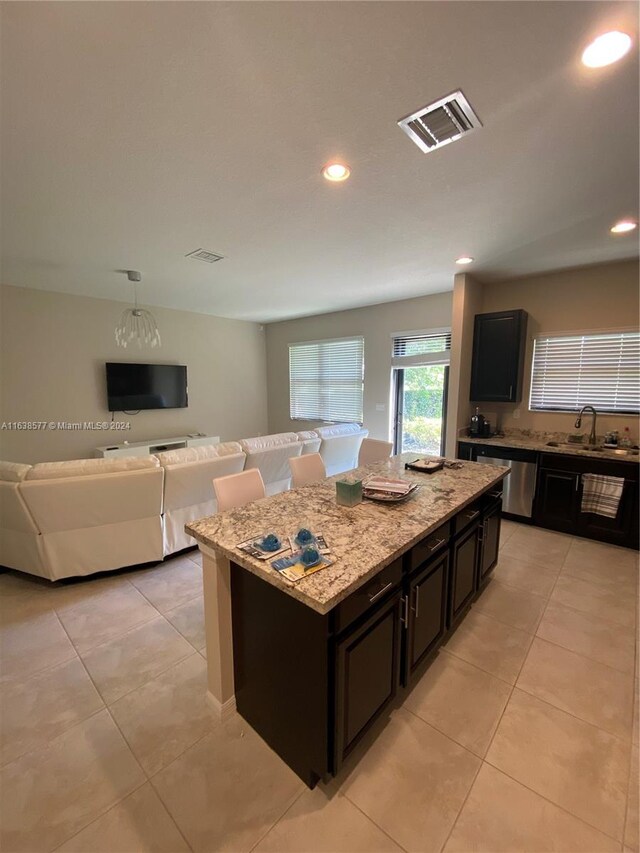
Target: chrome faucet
[592, 434]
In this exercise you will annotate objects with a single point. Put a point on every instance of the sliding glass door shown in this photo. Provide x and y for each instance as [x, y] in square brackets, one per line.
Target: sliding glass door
[420, 402]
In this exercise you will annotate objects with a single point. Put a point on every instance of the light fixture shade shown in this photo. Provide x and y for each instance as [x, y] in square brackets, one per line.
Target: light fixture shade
[606, 49]
[137, 325]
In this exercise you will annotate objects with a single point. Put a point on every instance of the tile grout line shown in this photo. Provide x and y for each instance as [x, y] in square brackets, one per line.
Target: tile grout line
[550, 704]
[117, 636]
[506, 583]
[592, 615]
[552, 802]
[444, 734]
[583, 656]
[485, 761]
[120, 637]
[151, 678]
[51, 740]
[99, 817]
[635, 700]
[492, 619]
[475, 665]
[464, 802]
[277, 821]
[365, 815]
[133, 755]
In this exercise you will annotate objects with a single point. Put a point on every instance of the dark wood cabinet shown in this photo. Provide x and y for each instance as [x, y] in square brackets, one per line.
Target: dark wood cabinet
[464, 567]
[367, 670]
[498, 356]
[311, 684]
[427, 612]
[489, 540]
[558, 502]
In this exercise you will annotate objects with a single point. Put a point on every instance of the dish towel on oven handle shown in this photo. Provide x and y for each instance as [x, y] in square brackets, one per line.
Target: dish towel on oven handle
[601, 495]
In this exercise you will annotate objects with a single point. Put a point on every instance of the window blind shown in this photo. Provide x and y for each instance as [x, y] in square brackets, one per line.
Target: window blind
[572, 371]
[417, 348]
[326, 380]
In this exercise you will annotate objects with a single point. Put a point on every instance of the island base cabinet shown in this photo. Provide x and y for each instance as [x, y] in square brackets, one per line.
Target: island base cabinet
[367, 669]
[427, 617]
[281, 673]
[489, 540]
[464, 567]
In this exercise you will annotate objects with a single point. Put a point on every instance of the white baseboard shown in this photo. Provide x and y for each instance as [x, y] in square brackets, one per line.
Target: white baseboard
[222, 710]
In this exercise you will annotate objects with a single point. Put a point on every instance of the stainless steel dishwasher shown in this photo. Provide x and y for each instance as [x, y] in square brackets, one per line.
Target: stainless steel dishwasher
[520, 485]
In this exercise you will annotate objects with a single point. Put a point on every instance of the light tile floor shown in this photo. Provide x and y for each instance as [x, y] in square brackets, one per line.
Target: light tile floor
[521, 736]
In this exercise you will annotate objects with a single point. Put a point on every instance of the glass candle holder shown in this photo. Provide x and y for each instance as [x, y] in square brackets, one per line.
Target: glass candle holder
[348, 492]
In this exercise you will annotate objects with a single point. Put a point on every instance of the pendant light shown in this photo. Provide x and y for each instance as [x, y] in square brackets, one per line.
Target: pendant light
[137, 325]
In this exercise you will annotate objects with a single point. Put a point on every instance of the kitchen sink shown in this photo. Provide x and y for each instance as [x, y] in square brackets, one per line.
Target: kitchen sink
[575, 445]
[596, 448]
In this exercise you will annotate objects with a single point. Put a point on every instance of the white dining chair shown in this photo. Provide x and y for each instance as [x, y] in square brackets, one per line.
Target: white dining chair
[238, 489]
[306, 469]
[374, 450]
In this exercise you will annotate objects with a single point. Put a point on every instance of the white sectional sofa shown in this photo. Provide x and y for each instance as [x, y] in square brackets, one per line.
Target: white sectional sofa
[20, 540]
[94, 515]
[66, 519]
[188, 493]
[270, 454]
[340, 446]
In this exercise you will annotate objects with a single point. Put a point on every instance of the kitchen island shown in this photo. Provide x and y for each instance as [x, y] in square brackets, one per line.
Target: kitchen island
[311, 665]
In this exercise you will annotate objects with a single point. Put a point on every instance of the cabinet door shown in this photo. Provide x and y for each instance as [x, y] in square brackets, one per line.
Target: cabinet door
[620, 530]
[498, 357]
[427, 622]
[490, 540]
[367, 675]
[464, 567]
[557, 499]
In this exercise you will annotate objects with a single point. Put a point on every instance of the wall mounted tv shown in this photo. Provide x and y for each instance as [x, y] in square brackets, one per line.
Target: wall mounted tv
[131, 387]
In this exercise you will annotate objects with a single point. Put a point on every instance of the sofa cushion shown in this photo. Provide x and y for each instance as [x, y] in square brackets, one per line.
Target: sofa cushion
[13, 472]
[89, 467]
[199, 453]
[339, 429]
[307, 435]
[266, 442]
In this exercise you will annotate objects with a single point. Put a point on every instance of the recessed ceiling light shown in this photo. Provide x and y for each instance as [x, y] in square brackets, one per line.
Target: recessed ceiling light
[606, 49]
[464, 260]
[623, 226]
[336, 172]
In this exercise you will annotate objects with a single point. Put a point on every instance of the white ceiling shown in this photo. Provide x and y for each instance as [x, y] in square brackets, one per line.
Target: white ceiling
[134, 133]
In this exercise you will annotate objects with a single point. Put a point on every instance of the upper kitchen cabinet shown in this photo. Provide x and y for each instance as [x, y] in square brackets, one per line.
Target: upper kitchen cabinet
[498, 357]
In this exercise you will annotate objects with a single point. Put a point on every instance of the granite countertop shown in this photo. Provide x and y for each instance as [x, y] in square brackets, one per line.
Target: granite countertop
[540, 444]
[363, 539]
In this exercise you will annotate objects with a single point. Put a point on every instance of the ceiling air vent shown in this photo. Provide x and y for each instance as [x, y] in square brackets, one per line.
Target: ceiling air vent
[440, 123]
[203, 255]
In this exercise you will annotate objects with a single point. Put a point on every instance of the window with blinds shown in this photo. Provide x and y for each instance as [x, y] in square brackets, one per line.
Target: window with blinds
[326, 380]
[415, 348]
[600, 370]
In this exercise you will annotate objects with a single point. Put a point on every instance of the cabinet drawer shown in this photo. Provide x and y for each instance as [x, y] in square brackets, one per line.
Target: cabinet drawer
[373, 592]
[429, 546]
[469, 514]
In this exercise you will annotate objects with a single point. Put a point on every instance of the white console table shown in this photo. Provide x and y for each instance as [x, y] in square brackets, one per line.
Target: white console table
[155, 445]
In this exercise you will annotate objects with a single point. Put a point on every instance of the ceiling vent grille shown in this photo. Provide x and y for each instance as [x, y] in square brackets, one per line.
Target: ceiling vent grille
[440, 123]
[204, 255]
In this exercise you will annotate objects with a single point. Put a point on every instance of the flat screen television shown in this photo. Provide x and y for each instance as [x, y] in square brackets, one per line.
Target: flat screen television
[131, 387]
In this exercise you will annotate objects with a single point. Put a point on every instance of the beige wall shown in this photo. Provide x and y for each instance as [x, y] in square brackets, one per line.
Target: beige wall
[600, 297]
[54, 347]
[376, 323]
[467, 302]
